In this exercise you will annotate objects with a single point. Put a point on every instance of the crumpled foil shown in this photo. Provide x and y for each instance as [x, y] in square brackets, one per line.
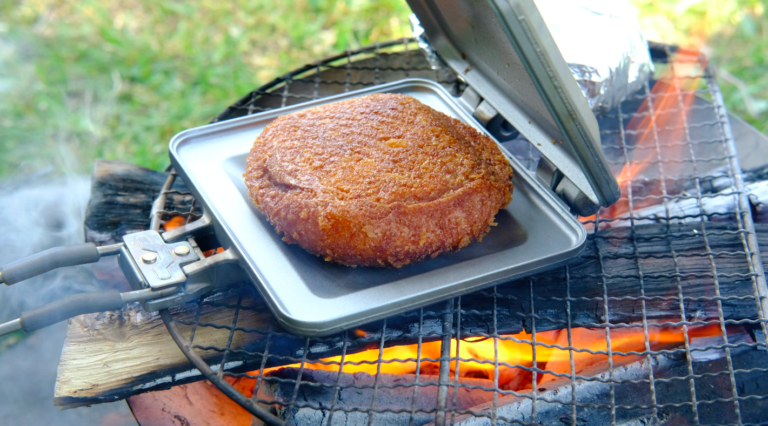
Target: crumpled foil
[603, 45]
[600, 40]
[421, 39]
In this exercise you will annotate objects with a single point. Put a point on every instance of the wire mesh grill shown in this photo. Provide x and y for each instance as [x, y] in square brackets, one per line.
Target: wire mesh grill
[661, 321]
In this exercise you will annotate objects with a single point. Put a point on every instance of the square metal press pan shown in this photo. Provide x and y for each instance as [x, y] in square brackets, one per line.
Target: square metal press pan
[310, 296]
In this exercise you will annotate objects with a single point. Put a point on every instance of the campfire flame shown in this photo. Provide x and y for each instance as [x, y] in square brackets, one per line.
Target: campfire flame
[515, 354]
[658, 130]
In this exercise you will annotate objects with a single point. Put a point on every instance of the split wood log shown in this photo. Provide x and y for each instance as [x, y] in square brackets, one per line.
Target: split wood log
[111, 356]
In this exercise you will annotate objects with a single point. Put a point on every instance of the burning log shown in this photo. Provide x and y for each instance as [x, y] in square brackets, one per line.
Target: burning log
[555, 395]
[630, 398]
[111, 356]
[395, 401]
[198, 403]
[692, 208]
[517, 356]
[316, 397]
[553, 398]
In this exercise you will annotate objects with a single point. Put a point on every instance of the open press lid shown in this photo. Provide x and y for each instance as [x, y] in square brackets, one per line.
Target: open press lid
[504, 51]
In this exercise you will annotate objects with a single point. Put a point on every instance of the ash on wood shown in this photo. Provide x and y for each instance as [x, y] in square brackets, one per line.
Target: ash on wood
[615, 264]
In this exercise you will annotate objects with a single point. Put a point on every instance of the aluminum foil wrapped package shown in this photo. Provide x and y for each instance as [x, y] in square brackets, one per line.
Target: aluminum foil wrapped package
[603, 45]
[599, 39]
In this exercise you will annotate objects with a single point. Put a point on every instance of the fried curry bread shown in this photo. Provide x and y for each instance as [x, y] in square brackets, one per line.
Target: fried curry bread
[380, 180]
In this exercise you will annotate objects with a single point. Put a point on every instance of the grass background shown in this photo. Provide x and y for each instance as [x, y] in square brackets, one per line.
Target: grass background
[87, 79]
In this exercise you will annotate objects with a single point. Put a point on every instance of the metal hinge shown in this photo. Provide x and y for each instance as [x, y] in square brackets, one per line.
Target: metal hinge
[546, 172]
[153, 260]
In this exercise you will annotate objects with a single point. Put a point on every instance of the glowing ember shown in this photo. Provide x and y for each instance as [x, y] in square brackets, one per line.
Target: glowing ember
[174, 223]
[211, 252]
[516, 355]
[178, 221]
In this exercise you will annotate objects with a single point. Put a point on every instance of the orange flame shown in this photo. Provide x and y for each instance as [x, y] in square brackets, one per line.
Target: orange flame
[658, 130]
[174, 223]
[662, 114]
[515, 351]
[178, 221]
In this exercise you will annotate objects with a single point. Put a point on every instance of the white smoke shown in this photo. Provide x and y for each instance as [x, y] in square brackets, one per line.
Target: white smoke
[35, 216]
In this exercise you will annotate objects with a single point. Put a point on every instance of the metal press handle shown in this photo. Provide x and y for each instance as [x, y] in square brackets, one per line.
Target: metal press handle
[54, 258]
[70, 306]
[78, 304]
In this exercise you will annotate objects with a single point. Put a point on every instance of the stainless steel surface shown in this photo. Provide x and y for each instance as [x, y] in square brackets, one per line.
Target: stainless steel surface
[200, 225]
[310, 296]
[751, 143]
[181, 251]
[187, 292]
[156, 259]
[204, 276]
[109, 250]
[10, 326]
[131, 269]
[206, 270]
[504, 51]
[158, 206]
[485, 112]
[146, 294]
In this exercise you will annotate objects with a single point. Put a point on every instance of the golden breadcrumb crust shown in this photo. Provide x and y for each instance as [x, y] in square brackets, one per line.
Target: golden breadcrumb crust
[379, 180]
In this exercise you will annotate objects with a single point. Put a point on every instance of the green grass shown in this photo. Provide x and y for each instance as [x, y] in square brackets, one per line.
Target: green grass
[743, 71]
[86, 79]
[734, 33]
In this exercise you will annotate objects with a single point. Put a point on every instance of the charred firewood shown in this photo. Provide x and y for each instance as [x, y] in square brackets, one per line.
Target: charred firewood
[390, 398]
[624, 396]
[601, 288]
[121, 199]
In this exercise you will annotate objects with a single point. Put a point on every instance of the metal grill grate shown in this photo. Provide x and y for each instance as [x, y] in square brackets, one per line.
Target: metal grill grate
[685, 204]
